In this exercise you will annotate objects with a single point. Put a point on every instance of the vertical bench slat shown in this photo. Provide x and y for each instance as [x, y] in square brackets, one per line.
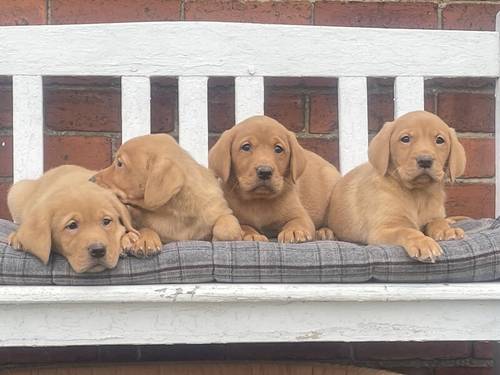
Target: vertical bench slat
[27, 97]
[193, 117]
[136, 107]
[353, 122]
[249, 97]
[408, 95]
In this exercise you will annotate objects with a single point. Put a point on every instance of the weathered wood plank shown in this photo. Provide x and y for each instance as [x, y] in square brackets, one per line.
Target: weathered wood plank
[249, 97]
[193, 117]
[136, 107]
[232, 49]
[27, 98]
[408, 95]
[353, 122]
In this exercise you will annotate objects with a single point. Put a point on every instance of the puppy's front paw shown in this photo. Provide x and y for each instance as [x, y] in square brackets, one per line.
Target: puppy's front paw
[13, 241]
[294, 236]
[255, 237]
[325, 234]
[230, 232]
[127, 242]
[423, 249]
[445, 234]
[147, 244]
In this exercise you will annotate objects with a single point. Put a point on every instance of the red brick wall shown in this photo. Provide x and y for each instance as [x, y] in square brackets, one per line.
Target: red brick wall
[82, 115]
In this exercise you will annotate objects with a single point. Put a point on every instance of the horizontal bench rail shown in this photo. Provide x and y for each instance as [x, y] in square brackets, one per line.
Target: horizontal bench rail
[239, 49]
[238, 313]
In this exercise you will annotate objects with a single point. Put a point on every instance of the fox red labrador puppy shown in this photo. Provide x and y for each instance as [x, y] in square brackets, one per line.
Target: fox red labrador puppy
[398, 197]
[273, 185]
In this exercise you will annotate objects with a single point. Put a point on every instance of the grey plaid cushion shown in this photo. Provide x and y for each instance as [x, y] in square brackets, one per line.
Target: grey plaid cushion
[476, 258]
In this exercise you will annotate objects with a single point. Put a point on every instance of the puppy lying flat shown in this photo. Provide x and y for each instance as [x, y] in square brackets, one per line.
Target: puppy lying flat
[78, 219]
[168, 193]
[273, 185]
[398, 197]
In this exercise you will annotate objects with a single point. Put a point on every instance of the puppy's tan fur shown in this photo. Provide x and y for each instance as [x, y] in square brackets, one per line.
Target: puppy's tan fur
[391, 200]
[169, 192]
[293, 202]
[45, 207]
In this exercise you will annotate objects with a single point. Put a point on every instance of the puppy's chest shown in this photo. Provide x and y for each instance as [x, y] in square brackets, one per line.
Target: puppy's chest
[260, 215]
[428, 208]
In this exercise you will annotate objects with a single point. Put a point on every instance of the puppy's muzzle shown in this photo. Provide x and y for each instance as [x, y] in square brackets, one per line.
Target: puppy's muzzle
[425, 161]
[97, 250]
[264, 172]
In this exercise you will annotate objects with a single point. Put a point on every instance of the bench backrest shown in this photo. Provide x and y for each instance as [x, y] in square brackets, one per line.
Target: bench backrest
[194, 51]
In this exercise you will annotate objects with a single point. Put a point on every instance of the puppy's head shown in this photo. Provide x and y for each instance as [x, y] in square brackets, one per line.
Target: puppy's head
[259, 156]
[418, 148]
[144, 173]
[84, 224]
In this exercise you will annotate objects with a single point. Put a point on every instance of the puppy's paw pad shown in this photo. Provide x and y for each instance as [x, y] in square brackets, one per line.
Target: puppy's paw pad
[325, 234]
[424, 249]
[255, 237]
[294, 236]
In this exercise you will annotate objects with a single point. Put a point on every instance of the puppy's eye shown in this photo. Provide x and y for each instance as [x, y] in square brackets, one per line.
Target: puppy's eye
[439, 140]
[119, 163]
[278, 149]
[246, 147]
[405, 139]
[106, 221]
[72, 225]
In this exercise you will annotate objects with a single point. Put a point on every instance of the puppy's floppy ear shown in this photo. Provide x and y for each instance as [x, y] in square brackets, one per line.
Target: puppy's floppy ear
[457, 159]
[379, 152]
[34, 234]
[165, 179]
[219, 157]
[298, 159]
[123, 213]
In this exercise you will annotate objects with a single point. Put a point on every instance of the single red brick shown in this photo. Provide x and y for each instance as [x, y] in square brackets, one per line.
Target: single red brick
[323, 113]
[463, 371]
[474, 200]
[325, 82]
[163, 108]
[412, 350]
[380, 110]
[422, 15]
[88, 110]
[89, 152]
[480, 156]
[324, 147]
[85, 81]
[287, 108]
[468, 112]
[96, 11]
[429, 102]
[305, 351]
[4, 211]
[289, 12]
[471, 16]
[58, 354]
[23, 12]
[220, 108]
[461, 83]
[5, 156]
[483, 349]
[6, 107]
[413, 371]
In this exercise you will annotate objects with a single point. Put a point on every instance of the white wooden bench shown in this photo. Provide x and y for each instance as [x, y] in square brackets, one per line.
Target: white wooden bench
[194, 51]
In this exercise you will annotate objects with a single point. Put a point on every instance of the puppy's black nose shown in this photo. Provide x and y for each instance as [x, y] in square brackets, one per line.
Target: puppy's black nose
[264, 172]
[97, 250]
[424, 161]
[92, 179]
